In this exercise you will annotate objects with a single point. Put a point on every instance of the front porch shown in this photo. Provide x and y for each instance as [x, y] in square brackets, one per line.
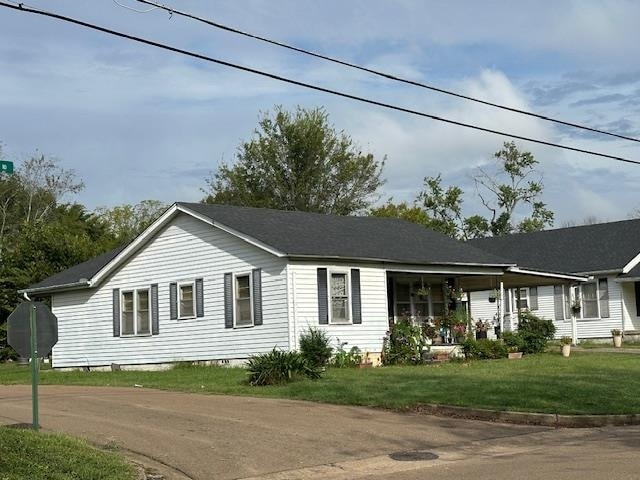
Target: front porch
[441, 300]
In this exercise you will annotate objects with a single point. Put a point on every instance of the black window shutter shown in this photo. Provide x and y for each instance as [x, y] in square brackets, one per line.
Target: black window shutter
[199, 298]
[257, 296]
[356, 304]
[228, 300]
[173, 301]
[116, 312]
[155, 321]
[323, 300]
[637, 299]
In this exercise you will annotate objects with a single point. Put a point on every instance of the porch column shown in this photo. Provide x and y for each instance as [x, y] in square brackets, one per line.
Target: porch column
[574, 321]
[501, 308]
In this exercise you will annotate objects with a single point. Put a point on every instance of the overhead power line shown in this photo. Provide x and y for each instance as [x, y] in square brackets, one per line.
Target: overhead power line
[21, 7]
[381, 74]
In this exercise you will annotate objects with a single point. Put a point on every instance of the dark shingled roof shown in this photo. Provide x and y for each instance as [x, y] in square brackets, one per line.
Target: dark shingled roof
[317, 235]
[583, 249]
[84, 270]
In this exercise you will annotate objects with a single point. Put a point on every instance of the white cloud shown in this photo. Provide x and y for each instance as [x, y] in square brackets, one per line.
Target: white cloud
[139, 123]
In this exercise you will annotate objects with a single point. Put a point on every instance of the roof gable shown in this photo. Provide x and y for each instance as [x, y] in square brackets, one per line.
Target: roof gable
[587, 248]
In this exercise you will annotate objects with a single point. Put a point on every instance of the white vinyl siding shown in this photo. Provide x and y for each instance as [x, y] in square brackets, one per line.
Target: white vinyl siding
[630, 310]
[551, 306]
[186, 248]
[303, 305]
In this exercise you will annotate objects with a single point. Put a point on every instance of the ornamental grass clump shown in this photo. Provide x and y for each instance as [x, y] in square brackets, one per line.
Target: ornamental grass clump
[278, 367]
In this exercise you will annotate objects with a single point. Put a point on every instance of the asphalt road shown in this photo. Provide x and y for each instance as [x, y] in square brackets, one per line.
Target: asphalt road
[190, 436]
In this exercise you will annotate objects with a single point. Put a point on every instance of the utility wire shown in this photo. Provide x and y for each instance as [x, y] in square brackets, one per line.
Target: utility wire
[23, 8]
[379, 73]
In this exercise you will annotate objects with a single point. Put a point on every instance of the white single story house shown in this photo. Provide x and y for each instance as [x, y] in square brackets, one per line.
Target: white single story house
[220, 283]
[607, 253]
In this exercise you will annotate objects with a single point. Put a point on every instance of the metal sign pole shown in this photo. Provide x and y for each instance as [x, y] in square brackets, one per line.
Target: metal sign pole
[35, 366]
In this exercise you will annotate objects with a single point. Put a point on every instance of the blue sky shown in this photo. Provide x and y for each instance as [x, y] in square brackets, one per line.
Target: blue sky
[138, 123]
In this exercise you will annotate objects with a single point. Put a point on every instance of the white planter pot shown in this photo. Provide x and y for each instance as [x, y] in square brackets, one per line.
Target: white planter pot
[617, 341]
[566, 350]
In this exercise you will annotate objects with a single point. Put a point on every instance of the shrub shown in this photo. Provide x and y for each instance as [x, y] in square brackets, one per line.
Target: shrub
[404, 344]
[277, 367]
[315, 347]
[484, 349]
[513, 341]
[346, 359]
[535, 332]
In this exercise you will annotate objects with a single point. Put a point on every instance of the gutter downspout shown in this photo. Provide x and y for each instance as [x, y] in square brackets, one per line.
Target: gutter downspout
[295, 314]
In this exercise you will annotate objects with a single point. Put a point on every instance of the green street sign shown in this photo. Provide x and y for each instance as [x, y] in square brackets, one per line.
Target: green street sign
[6, 166]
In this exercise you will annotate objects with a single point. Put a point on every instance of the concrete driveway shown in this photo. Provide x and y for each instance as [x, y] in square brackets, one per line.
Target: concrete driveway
[222, 437]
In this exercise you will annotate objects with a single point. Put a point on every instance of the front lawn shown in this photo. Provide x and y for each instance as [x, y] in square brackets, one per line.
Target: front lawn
[25, 454]
[585, 383]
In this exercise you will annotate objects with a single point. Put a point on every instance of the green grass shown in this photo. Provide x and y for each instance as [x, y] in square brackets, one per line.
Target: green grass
[585, 383]
[25, 454]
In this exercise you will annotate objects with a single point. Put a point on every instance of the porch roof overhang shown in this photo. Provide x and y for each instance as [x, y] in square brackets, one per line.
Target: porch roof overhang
[480, 279]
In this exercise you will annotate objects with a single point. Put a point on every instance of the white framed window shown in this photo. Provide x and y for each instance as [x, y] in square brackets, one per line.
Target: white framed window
[339, 311]
[523, 299]
[186, 300]
[590, 300]
[135, 312]
[243, 301]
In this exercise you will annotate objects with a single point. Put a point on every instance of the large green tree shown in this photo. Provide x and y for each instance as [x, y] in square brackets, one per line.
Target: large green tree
[125, 222]
[39, 233]
[510, 186]
[298, 161]
[512, 183]
[30, 195]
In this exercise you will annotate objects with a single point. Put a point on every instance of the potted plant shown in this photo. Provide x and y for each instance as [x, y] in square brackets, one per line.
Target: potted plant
[494, 295]
[481, 329]
[430, 332]
[458, 331]
[514, 353]
[617, 337]
[366, 362]
[566, 346]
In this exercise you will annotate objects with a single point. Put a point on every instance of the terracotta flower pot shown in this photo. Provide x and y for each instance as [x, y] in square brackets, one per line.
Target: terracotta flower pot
[515, 355]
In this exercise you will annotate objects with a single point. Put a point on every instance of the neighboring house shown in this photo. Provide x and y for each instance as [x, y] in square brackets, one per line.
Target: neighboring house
[215, 282]
[609, 253]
